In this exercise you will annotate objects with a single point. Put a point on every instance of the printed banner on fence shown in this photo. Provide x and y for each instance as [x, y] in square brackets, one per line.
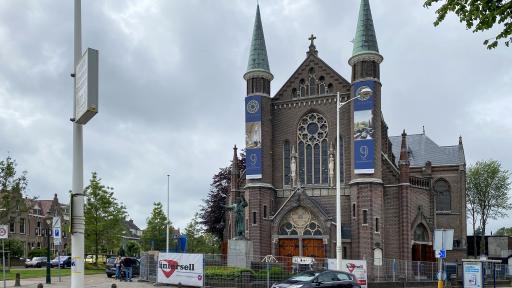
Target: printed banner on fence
[364, 127]
[472, 274]
[184, 268]
[253, 137]
[356, 267]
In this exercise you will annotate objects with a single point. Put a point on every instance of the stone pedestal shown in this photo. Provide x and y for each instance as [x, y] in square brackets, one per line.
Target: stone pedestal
[239, 253]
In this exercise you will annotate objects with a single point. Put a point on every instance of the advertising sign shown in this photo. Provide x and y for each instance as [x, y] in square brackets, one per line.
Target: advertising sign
[356, 267]
[176, 268]
[364, 144]
[86, 87]
[253, 137]
[472, 274]
[4, 232]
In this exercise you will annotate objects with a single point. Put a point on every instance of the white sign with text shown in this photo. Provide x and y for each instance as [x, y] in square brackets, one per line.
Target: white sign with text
[356, 267]
[184, 268]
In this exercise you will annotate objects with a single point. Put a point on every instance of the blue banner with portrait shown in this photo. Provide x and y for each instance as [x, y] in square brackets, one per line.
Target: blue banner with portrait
[364, 145]
[253, 137]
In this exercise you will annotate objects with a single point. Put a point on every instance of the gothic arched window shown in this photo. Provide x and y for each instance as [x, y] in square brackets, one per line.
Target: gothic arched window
[312, 149]
[420, 233]
[302, 88]
[286, 162]
[300, 221]
[444, 198]
[322, 89]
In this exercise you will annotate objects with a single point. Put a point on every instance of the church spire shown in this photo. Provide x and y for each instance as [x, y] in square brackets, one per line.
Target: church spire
[366, 40]
[258, 60]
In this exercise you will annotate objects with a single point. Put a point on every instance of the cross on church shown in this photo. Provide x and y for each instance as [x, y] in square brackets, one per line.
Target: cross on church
[312, 38]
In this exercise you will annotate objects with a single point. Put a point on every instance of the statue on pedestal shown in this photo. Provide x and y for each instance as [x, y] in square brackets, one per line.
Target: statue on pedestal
[239, 210]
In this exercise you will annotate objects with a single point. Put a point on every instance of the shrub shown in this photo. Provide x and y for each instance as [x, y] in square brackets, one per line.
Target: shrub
[37, 252]
[225, 272]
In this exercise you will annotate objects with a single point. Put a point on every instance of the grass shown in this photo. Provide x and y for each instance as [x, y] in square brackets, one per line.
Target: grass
[41, 273]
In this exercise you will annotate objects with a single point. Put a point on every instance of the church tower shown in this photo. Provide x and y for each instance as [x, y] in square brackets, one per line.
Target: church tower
[258, 128]
[366, 185]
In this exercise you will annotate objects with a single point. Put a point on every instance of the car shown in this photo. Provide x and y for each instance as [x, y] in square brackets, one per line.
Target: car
[65, 261]
[36, 262]
[110, 267]
[92, 259]
[325, 278]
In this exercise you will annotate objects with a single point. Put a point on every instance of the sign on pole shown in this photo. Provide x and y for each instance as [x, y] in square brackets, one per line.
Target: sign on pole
[184, 268]
[86, 87]
[443, 239]
[57, 231]
[441, 254]
[4, 232]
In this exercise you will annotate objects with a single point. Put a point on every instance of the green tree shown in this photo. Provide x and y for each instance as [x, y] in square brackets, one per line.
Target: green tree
[15, 247]
[133, 249]
[489, 184]
[199, 241]
[12, 189]
[154, 236]
[503, 231]
[104, 217]
[479, 15]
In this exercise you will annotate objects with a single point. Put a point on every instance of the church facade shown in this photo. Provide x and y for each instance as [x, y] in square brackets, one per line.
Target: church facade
[394, 190]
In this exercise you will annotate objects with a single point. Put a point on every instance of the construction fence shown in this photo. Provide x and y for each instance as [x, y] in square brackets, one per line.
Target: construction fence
[263, 271]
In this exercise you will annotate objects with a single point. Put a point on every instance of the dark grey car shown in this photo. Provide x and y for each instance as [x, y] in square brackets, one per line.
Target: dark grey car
[326, 278]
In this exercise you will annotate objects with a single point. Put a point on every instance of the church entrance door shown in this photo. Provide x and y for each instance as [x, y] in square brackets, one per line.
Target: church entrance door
[313, 248]
[423, 252]
[288, 247]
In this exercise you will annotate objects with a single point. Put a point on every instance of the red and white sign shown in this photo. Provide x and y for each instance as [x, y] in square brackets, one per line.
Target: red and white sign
[176, 268]
[4, 233]
[356, 267]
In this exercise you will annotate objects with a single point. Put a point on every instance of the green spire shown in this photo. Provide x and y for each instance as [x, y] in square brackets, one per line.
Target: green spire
[258, 55]
[366, 40]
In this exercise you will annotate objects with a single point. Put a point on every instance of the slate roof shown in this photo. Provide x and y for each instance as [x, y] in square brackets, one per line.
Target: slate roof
[365, 40]
[422, 149]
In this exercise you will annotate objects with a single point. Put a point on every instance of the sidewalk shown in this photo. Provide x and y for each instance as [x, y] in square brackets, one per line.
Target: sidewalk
[100, 280]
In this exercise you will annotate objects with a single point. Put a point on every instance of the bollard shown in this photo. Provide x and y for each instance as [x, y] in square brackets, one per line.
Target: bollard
[179, 285]
[40, 285]
[114, 285]
[17, 281]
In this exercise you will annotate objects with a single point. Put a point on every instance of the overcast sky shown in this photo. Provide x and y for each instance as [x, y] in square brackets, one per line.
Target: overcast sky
[171, 87]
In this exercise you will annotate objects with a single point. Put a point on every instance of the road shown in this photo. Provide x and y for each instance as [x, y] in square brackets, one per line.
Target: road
[99, 280]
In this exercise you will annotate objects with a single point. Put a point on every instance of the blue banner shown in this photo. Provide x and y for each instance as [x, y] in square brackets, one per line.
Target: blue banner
[364, 147]
[253, 137]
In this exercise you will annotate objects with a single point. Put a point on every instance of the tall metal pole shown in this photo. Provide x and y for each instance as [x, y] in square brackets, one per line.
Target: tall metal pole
[3, 261]
[339, 248]
[48, 260]
[168, 219]
[77, 209]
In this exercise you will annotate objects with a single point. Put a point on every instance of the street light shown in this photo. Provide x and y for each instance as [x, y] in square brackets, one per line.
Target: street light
[167, 230]
[339, 248]
[48, 220]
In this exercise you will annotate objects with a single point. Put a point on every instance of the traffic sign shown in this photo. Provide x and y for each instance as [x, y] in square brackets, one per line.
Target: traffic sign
[4, 233]
[441, 254]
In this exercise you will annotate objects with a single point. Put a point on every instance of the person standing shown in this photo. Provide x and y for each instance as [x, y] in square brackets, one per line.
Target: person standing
[128, 263]
[117, 264]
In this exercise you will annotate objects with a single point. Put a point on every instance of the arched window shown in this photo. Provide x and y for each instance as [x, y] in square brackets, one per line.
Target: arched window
[302, 88]
[312, 149]
[300, 221]
[322, 89]
[442, 190]
[420, 233]
[286, 162]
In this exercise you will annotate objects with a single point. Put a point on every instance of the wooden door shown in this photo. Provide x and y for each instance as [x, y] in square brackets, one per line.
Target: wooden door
[288, 247]
[313, 248]
[423, 252]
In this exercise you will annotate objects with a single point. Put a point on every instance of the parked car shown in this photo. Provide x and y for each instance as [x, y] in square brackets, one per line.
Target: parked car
[92, 259]
[110, 267]
[36, 262]
[325, 278]
[65, 261]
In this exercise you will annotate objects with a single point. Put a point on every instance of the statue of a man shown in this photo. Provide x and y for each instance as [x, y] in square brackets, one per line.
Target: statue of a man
[239, 210]
[331, 169]
[294, 171]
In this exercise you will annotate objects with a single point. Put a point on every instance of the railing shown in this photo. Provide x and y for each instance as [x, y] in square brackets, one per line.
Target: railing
[419, 182]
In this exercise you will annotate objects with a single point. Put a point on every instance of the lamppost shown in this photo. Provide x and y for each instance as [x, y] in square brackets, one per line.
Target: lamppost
[48, 220]
[167, 227]
[339, 247]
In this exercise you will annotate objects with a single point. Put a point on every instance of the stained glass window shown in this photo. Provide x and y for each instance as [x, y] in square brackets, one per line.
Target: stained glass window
[442, 189]
[286, 164]
[313, 149]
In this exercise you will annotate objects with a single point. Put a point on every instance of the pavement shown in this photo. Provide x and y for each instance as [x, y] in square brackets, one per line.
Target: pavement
[99, 280]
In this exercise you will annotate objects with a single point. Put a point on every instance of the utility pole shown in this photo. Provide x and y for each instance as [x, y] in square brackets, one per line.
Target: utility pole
[168, 219]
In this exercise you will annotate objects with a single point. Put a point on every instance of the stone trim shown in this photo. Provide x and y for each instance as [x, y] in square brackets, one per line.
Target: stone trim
[258, 73]
[366, 180]
[366, 56]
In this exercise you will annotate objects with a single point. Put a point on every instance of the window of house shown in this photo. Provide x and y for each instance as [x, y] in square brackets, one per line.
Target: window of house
[365, 216]
[22, 225]
[442, 190]
[12, 225]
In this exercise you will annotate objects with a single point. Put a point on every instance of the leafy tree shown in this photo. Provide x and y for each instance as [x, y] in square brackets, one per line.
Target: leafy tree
[212, 213]
[12, 189]
[154, 237]
[473, 213]
[133, 249]
[489, 184]
[37, 252]
[104, 217]
[15, 247]
[199, 241]
[479, 16]
[504, 231]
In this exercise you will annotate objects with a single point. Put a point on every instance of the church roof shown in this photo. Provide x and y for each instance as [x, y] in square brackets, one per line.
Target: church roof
[365, 40]
[258, 60]
[422, 149]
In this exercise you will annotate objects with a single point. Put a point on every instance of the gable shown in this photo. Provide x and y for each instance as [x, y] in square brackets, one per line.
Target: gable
[316, 72]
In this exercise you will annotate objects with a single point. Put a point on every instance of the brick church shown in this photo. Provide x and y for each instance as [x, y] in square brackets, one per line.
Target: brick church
[395, 190]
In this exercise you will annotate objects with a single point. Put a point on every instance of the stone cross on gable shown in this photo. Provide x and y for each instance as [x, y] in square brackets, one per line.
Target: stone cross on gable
[312, 48]
[312, 39]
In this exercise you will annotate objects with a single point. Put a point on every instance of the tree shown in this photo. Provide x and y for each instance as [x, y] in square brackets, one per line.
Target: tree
[133, 249]
[199, 241]
[104, 217]
[154, 236]
[15, 247]
[479, 15]
[504, 231]
[12, 189]
[212, 213]
[472, 212]
[489, 184]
